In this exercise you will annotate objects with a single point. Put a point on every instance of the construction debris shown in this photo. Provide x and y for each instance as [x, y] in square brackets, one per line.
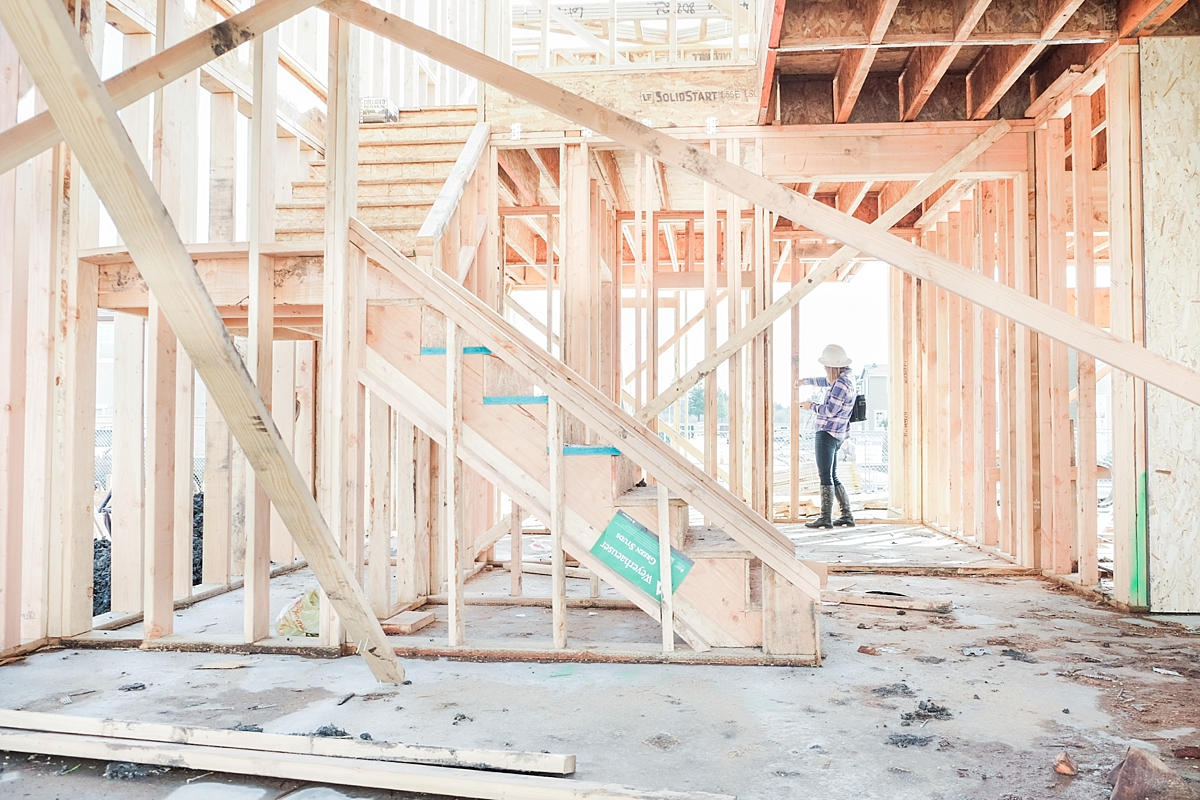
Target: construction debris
[908, 740]
[926, 710]
[1065, 765]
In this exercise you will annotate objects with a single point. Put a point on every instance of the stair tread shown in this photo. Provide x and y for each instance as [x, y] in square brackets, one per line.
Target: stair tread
[710, 541]
[377, 202]
[413, 160]
[378, 181]
[640, 496]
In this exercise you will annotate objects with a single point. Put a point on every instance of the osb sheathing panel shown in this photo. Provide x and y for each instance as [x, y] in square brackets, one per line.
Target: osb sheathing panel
[1171, 184]
[667, 97]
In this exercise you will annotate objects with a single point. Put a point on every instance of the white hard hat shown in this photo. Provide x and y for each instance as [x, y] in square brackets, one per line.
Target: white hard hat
[834, 356]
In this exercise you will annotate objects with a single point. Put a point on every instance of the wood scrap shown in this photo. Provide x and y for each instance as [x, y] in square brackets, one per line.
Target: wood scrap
[407, 622]
[888, 600]
[326, 769]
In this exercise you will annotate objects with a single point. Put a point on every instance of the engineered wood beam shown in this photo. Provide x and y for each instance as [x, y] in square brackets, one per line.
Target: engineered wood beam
[55, 56]
[855, 65]
[1000, 66]
[1144, 17]
[31, 137]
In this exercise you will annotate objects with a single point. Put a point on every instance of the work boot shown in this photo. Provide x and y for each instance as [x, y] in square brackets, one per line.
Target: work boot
[826, 510]
[843, 499]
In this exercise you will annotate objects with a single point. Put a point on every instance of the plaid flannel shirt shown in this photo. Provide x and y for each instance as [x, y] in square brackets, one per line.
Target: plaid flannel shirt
[833, 414]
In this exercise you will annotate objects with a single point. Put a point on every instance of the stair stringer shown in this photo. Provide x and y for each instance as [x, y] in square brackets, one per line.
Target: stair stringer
[426, 412]
[599, 413]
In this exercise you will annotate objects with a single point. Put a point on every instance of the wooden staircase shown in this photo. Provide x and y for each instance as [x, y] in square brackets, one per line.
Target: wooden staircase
[744, 590]
[401, 168]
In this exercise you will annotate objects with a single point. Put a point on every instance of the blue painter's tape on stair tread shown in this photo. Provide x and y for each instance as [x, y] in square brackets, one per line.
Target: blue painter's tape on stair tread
[471, 350]
[516, 400]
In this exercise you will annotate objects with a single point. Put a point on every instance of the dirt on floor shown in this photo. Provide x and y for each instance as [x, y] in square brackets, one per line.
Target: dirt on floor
[975, 703]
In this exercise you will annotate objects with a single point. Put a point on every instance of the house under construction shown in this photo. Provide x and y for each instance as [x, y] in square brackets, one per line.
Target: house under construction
[476, 330]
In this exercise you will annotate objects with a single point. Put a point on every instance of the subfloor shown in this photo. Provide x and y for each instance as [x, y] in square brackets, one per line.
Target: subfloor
[1053, 672]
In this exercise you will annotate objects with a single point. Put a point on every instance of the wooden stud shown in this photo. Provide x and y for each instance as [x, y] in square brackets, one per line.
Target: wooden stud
[14, 304]
[955, 465]
[664, 568]
[409, 577]
[452, 530]
[129, 463]
[158, 552]
[260, 230]
[987, 521]
[558, 523]
[969, 373]
[516, 549]
[710, 325]
[1123, 99]
[379, 518]
[283, 401]
[1085, 309]
[185, 485]
[1026, 476]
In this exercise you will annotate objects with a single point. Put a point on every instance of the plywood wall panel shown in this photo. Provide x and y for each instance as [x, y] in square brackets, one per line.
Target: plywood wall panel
[1171, 184]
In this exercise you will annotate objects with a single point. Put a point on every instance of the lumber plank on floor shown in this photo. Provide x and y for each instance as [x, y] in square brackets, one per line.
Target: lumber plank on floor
[324, 769]
[502, 760]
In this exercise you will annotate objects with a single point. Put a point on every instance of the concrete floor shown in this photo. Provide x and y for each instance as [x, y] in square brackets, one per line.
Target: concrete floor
[1082, 680]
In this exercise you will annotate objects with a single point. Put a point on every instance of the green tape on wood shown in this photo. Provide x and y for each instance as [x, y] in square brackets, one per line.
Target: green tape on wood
[632, 551]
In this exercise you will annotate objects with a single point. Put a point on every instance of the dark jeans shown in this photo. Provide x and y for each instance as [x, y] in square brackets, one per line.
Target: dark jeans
[827, 447]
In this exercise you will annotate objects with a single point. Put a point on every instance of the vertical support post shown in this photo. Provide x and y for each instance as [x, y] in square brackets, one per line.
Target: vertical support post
[794, 427]
[667, 606]
[283, 402]
[452, 531]
[955, 464]
[1026, 474]
[408, 578]
[129, 463]
[516, 557]
[217, 565]
[158, 604]
[1006, 423]
[557, 522]
[1085, 309]
[185, 424]
[260, 229]
[710, 321]
[733, 273]
[574, 273]
[342, 327]
[969, 374]
[1060, 521]
[987, 523]
[1125, 246]
[379, 530]
[14, 303]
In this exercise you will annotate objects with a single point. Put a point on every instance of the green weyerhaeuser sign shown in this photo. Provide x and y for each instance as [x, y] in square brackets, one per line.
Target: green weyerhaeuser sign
[632, 550]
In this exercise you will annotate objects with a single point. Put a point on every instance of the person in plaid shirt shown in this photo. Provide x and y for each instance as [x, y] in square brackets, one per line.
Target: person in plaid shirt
[833, 426]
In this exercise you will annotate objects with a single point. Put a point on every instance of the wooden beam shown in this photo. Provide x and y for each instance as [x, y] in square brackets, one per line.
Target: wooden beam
[55, 56]
[915, 196]
[1144, 17]
[854, 65]
[927, 65]
[31, 137]
[525, 175]
[1000, 66]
